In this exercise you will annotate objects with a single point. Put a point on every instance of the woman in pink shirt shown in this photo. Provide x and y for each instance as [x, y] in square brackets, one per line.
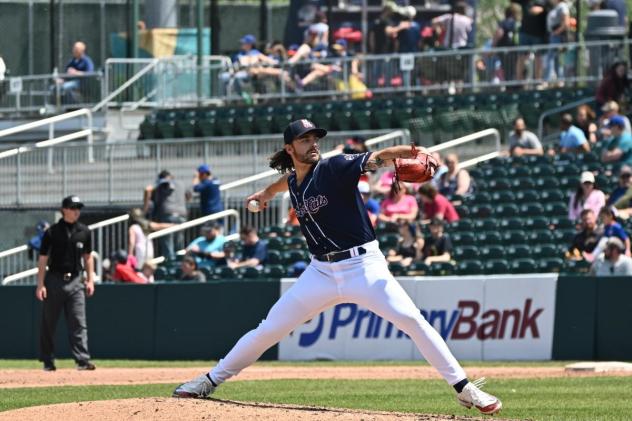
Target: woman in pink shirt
[586, 197]
[436, 205]
[399, 205]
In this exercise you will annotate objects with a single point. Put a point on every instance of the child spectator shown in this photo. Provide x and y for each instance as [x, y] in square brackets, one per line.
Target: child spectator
[437, 247]
[147, 271]
[436, 205]
[189, 270]
[123, 271]
[611, 228]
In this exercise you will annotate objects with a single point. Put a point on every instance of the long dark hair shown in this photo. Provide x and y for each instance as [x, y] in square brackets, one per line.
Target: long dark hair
[281, 161]
[579, 198]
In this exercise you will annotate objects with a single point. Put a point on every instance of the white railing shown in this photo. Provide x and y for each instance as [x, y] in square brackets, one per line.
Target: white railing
[52, 140]
[107, 236]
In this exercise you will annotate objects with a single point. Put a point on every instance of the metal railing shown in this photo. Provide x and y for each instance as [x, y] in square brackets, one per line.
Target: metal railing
[189, 230]
[51, 93]
[107, 236]
[120, 171]
[17, 154]
[557, 110]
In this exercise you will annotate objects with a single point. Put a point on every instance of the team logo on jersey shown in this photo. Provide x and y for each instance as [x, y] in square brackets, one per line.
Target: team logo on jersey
[350, 156]
[311, 205]
[306, 123]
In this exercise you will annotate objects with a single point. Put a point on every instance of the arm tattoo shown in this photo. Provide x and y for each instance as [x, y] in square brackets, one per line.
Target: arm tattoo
[374, 164]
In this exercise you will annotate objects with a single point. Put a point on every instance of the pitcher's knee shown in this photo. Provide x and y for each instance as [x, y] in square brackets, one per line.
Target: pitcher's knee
[407, 321]
[267, 331]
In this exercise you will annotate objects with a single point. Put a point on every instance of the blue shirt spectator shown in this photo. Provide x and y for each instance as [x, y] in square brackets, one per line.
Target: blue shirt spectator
[208, 188]
[572, 138]
[254, 251]
[615, 230]
[208, 249]
[619, 147]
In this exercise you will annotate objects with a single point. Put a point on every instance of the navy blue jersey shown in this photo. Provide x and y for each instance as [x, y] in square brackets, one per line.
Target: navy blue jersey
[329, 206]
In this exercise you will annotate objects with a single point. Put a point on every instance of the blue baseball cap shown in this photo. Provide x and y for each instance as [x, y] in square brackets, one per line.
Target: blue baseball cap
[617, 120]
[301, 127]
[342, 43]
[248, 39]
[204, 168]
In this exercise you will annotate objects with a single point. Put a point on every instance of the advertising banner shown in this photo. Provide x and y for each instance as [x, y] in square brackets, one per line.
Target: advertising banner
[480, 317]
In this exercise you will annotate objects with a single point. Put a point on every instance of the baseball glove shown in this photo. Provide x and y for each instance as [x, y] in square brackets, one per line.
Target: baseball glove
[419, 169]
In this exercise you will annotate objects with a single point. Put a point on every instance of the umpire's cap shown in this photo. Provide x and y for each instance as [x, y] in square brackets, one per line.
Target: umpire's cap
[301, 127]
[72, 202]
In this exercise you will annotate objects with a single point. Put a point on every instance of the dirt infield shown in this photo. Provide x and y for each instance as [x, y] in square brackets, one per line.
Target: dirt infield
[169, 409]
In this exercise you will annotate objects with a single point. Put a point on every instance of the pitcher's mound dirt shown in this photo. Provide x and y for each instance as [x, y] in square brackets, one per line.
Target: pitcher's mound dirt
[168, 409]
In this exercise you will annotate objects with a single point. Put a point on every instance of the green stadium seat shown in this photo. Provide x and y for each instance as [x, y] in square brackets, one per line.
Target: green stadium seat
[397, 269]
[547, 182]
[466, 252]
[382, 119]
[488, 238]
[524, 266]
[551, 265]
[224, 272]
[469, 267]
[480, 197]
[165, 129]
[541, 236]
[522, 183]
[492, 252]
[185, 128]
[503, 196]
[464, 224]
[249, 273]
[568, 170]
[296, 243]
[527, 196]
[537, 223]
[518, 252]
[292, 231]
[555, 195]
[495, 172]
[341, 121]
[496, 267]
[556, 209]
[499, 184]
[576, 267]
[274, 257]
[161, 274]
[361, 120]
[506, 211]
[519, 172]
[442, 269]
[388, 241]
[418, 269]
[545, 251]
[563, 223]
[273, 271]
[292, 256]
[463, 238]
[511, 224]
[544, 170]
[481, 211]
[512, 237]
[531, 209]
[489, 224]
[276, 243]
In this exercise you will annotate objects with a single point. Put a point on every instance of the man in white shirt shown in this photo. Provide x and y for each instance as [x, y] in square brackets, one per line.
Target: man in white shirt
[522, 141]
[454, 27]
[613, 261]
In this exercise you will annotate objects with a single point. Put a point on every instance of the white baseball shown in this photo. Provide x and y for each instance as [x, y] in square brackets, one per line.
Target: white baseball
[253, 206]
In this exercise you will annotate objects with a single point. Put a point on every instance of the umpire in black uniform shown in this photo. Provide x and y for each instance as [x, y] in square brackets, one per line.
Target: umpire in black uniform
[62, 287]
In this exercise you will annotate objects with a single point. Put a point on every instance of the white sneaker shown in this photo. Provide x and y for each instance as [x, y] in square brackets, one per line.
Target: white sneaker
[471, 396]
[198, 388]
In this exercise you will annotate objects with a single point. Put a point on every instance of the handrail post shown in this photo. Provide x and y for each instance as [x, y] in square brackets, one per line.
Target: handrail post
[110, 150]
[51, 135]
[18, 179]
[90, 137]
[64, 182]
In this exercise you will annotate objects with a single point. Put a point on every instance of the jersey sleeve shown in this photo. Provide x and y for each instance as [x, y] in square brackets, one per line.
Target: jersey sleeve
[347, 168]
[46, 242]
[87, 246]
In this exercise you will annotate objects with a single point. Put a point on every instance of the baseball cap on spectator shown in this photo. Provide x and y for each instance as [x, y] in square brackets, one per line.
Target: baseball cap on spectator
[408, 11]
[248, 39]
[301, 127]
[204, 168]
[625, 170]
[71, 202]
[291, 50]
[617, 120]
[364, 187]
[340, 44]
[610, 106]
[615, 242]
[587, 177]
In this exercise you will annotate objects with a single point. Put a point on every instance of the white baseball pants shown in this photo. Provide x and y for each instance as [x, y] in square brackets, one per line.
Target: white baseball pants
[364, 280]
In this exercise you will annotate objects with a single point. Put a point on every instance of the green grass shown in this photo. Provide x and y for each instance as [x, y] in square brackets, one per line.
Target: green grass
[26, 364]
[585, 398]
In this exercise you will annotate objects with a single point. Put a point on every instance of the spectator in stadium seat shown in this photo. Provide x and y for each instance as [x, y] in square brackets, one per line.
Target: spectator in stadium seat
[79, 64]
[455, 181]
[522, 141]
[437, 247]
[587, 239]
[454, 28]
[623, 188]
[611, 110]
[587, 196]
[612, 262]
[619, 147]
[398, 205]
[208, 187]
[441, 169]
[371, 205]
[615, 84]
[383, 185]
[123, 270]
[611, 228]
[572, 138]
[137, 243]
[208, 249]
[147, 272]
[409, 247]
[436, 205]
[189, 270]
[406, 31]
[586, 118]
[254, 251]
[169, 198]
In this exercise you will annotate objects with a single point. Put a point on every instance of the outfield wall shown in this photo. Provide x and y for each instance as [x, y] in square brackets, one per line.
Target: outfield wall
[495, 317]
